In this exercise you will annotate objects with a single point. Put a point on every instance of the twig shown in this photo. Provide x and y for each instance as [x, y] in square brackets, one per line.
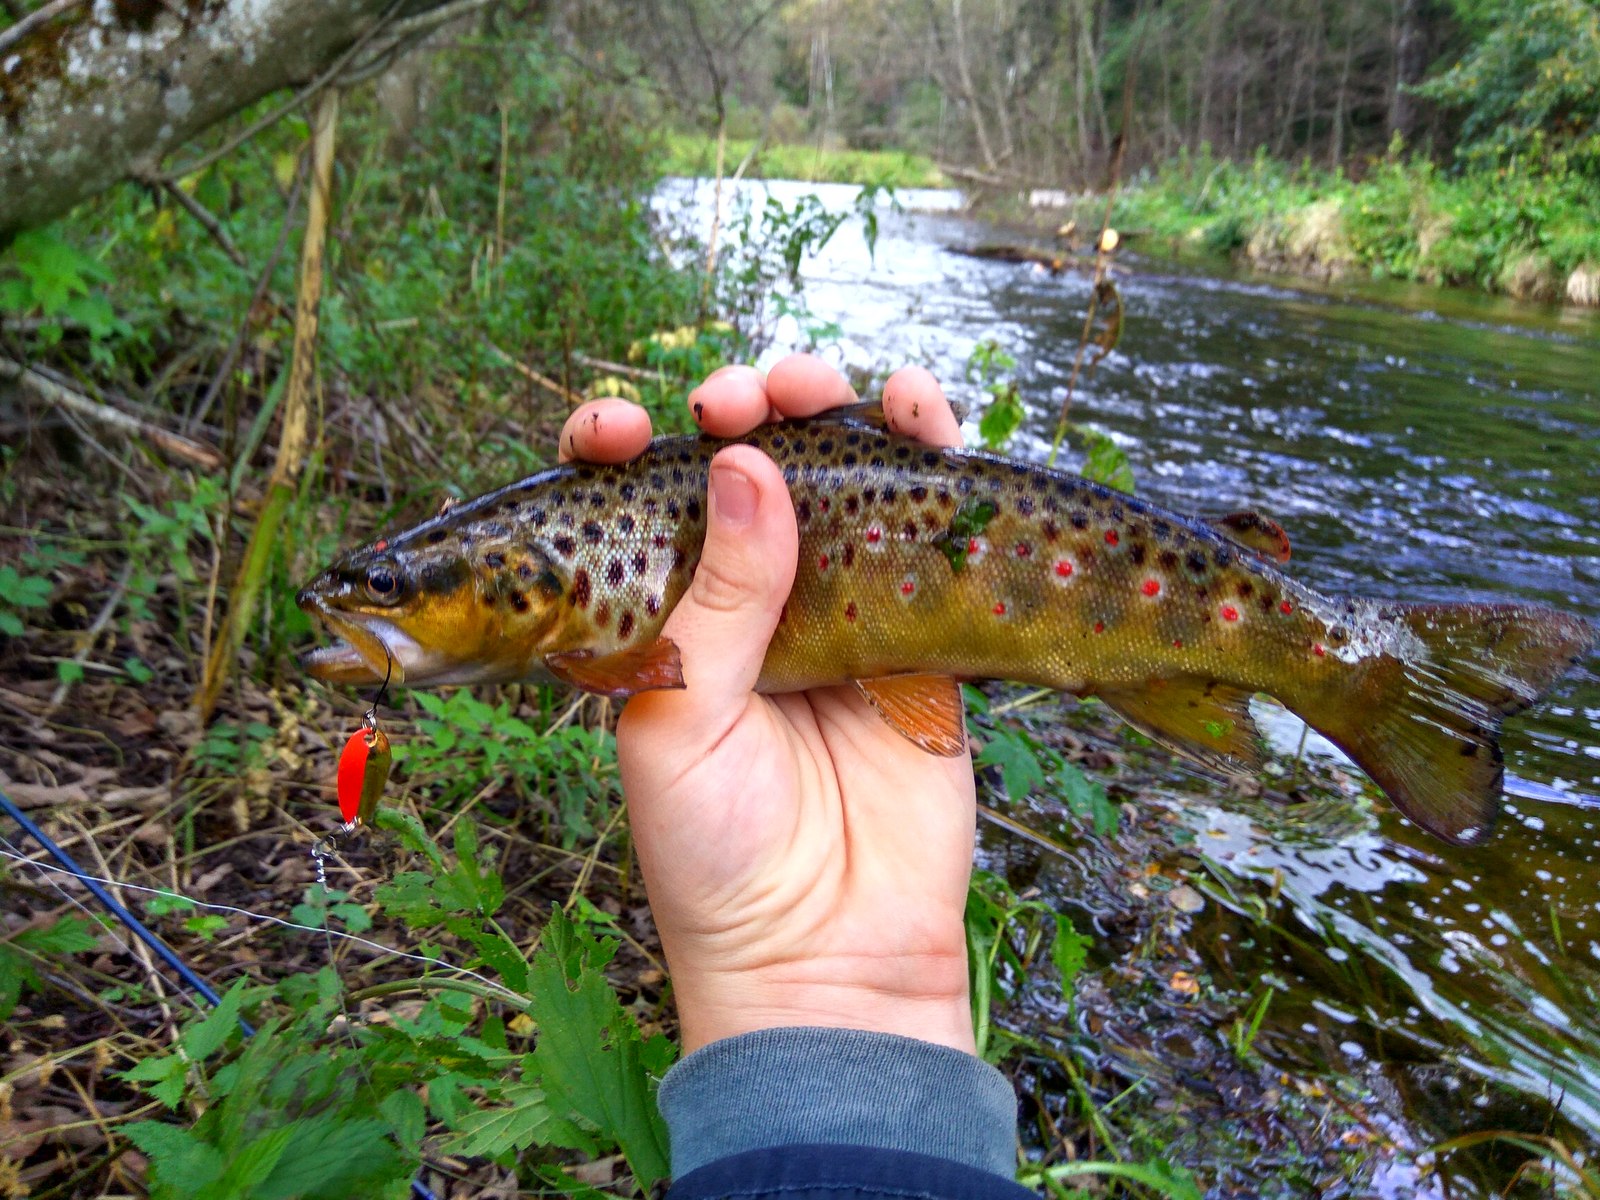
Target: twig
[544, 381]
[295, 432]
[202, 214]
[92, 634]
[615, 368]
[15, 33]
[54, 393]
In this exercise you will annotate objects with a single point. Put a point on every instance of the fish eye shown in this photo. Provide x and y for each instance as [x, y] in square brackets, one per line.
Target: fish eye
[382, 585]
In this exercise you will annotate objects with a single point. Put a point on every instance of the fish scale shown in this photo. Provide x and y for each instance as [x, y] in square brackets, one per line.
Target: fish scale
[919, 564]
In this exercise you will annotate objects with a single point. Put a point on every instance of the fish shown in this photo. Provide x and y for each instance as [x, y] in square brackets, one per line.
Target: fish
[920, 567]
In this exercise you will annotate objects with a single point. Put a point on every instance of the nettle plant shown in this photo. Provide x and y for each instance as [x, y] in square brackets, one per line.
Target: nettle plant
[528, 1061]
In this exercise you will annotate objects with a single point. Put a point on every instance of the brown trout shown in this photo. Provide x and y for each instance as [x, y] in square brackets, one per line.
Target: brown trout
[921, 566]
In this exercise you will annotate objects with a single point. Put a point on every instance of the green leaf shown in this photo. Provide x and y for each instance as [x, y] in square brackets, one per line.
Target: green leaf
[69, 671]
[184, 1166]
[1001, 419]
[333, 1158]
[1087, 798]
[64, 935]
[1106, 462]
[589, 1057]
[1019, 765]
[10, 625]
[490, 1132]
[1068, 951]
[205, 1037]
[165, 1077]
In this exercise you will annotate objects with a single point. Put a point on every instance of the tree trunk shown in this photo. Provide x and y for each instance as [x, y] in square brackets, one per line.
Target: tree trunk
[1409, 63]
[98, 95]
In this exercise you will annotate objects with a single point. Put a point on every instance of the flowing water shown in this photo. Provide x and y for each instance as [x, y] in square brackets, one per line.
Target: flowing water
[1416, 444]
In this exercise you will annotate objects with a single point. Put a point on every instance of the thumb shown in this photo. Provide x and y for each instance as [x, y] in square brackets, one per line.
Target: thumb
[724, 621]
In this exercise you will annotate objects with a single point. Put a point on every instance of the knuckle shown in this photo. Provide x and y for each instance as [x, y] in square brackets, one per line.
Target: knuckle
[724, 585]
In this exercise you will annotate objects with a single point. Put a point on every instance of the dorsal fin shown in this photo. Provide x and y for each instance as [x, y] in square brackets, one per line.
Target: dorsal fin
[926, 709]
[1260, 535]
[865, 414]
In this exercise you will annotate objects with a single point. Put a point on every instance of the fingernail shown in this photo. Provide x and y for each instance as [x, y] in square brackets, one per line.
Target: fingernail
[733, 496]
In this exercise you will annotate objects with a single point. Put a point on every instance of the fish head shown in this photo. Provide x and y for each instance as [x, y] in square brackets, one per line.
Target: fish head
[427, 610]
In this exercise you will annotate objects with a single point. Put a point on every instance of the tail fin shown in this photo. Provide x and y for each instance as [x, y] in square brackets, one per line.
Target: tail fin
[1424, 722]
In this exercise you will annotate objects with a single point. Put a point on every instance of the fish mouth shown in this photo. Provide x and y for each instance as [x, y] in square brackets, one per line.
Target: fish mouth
[365, 650]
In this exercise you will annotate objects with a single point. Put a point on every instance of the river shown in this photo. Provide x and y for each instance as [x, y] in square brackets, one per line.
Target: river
[1417, 444]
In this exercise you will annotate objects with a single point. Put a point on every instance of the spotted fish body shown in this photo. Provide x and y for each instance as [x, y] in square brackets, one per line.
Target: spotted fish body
[918, 563]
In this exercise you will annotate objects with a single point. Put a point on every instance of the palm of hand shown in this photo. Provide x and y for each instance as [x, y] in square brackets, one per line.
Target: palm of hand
[812, 849]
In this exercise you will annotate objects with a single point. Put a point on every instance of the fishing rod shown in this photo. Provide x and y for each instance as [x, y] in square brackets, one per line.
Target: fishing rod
[197, 985]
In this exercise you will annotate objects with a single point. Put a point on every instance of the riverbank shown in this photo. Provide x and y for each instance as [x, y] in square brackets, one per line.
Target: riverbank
[1529, 235]
[692, 154]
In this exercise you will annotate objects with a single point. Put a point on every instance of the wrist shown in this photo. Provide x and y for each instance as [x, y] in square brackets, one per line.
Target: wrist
[931, 1006]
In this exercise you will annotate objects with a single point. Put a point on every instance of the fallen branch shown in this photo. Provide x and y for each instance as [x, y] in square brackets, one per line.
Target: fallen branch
[51, 392]
[207, 219]
[614, 368]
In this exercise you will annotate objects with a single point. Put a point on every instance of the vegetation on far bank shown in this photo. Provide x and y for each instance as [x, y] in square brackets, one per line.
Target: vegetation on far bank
[1522, 231]
[696, 155]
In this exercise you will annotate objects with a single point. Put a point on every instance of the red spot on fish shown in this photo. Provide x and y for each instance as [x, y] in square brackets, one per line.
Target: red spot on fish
[1112, 537]
[1285, 608]
[1318, 649]
[1151, 587]
[822, 562]
[973, 545]
[1000, 608]
[907, 588]
[1099, 626]
[381, 544]
[874, 535]
[1063, 568]
[822, 503]
[850, 611]
[1230, 613]
[1177, 643]
[1023, 549]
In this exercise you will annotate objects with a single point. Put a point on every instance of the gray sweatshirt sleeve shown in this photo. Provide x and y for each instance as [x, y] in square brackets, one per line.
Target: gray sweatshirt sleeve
[816, 1086]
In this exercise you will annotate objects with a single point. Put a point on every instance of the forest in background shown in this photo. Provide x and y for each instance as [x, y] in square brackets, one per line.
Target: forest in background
[1448, 141]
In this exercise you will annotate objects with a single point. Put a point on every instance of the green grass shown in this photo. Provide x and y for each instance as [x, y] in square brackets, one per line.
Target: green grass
[695, 154]
[1514, 229]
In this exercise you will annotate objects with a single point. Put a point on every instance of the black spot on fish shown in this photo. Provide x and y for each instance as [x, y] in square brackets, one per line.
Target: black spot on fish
[627, 491]
[1246, 589]
[902, 452]
[1168, 559]
[658, 481]
[672, 509]
[437, 536]
[889, 494]
[525, 572]
[677, 475]
[852, 439]
[848, 459]
[930, 459]
[1051, 530]
[585, 472]
[1223, 558]
[625, 623]
[496, 560]
[592, 532]
[918, 493]
[1136, 554]
[778, 441]
[877, 460]
[1080, 519]
[564, 545]
[625, 523]
[582, 589]
[1469, 749]
[909, 531]
[679, 557]
[849, 557]
[615, 572]
[519, 601]
[1196, 562]
[597, 499]
[602, 614]
[1025, 506]
[825, 446]
[693, 509]
[641, 562]
[652, 605]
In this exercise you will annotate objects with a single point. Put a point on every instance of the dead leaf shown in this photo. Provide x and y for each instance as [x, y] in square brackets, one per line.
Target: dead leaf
[1184, 983]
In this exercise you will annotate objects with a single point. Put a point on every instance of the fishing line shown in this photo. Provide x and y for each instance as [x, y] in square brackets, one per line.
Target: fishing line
[429, 960]
[97, 888]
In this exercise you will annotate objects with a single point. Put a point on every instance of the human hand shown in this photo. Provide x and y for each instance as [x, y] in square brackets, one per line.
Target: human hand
[806, 864]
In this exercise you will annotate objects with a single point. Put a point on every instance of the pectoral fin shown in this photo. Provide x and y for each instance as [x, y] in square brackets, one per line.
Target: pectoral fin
[926, 709]
[1257, 534]
[1197, 718]
[635, 669]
